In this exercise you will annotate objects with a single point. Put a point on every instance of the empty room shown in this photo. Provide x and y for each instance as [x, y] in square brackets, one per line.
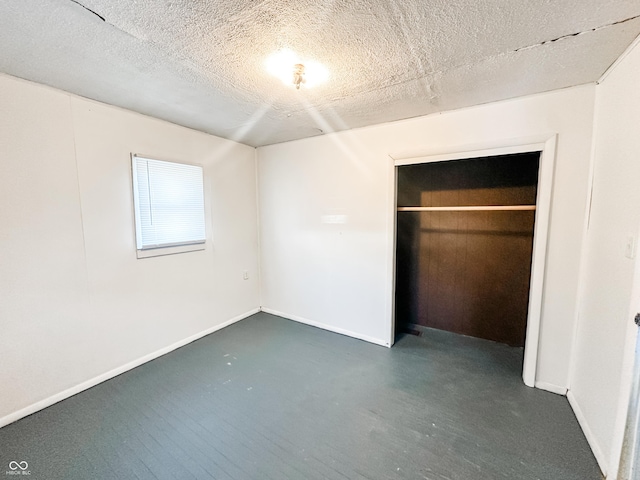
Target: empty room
[262, 239]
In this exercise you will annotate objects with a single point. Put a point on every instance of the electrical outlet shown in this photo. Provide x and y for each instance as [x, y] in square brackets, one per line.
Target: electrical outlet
[245, 274]
[630, 247]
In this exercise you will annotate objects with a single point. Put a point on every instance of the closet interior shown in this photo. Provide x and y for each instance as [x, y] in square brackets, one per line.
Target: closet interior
[464, 242]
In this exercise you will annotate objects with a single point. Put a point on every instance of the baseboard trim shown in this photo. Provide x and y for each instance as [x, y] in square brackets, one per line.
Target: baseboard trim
[550, 387]
[324, 326]
[591, 439]
[47, 402]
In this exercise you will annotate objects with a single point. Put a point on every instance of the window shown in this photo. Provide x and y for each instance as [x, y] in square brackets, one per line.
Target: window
[168, 202]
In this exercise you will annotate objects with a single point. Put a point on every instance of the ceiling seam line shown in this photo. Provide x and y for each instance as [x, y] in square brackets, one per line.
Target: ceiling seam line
[563, 37]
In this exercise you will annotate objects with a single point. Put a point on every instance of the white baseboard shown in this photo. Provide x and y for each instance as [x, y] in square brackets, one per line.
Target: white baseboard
[591, 439]
[47, 402]
[550, 387]
[324, 326]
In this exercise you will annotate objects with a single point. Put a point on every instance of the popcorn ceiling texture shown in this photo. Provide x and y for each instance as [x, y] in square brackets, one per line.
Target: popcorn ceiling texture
[201, 63]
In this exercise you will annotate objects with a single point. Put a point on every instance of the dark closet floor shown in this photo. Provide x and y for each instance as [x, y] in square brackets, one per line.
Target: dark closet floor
[268, 398]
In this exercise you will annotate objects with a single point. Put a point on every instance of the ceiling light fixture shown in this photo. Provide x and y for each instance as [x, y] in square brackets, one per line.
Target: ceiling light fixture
[288, 67]
[298, 75]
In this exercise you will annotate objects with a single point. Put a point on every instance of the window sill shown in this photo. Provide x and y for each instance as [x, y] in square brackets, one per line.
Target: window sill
[157, 252]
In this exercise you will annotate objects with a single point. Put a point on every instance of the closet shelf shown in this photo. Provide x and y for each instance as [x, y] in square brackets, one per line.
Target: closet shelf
[480, 208]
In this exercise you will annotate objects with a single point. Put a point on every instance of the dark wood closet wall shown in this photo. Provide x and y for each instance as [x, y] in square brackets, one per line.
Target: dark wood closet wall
[466, 272]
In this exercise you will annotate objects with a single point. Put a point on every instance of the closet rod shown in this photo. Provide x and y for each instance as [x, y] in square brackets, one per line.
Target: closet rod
[467, 209]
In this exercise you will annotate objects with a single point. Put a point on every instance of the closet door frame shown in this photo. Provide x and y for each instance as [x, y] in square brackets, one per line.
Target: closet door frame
[546, 145]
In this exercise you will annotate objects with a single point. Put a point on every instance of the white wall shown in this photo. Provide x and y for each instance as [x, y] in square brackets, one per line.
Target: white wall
[338, 276]
[75, 303]
[604, 344]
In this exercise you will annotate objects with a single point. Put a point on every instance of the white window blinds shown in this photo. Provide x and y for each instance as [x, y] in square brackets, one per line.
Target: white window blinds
[168, 202]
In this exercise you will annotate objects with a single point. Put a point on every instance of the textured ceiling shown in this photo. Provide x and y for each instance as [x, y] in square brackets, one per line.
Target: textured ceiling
[200, 63]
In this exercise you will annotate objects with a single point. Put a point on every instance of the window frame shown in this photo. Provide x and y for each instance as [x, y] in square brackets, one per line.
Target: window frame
[169, 249]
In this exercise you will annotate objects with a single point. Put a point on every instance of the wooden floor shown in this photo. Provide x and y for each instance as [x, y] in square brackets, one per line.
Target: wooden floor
[269, 398]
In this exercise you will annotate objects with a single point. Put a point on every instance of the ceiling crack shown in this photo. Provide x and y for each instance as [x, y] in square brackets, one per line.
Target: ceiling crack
[426, 76]
[563, 37]
[88, 9]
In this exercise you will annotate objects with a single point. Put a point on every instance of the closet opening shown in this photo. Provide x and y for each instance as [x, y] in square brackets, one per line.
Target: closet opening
[464, 246]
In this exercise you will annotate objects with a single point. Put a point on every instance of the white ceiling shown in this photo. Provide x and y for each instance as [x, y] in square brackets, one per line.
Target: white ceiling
[200, 63]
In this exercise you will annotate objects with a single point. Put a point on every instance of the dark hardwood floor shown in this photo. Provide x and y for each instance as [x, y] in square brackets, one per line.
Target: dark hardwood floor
[268, 398]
